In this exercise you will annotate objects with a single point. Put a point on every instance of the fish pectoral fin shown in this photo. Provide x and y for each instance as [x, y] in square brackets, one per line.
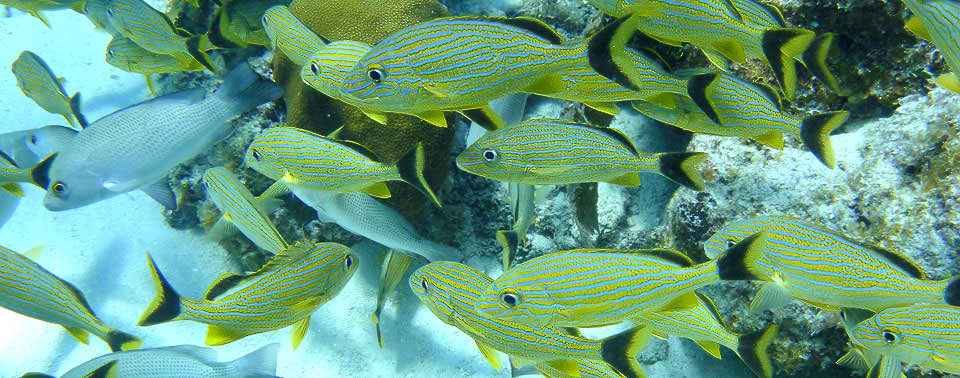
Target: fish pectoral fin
[717, 59]
[434, 117]
[915, 26]
[377, 189]
[731, 49]
[491, 355]
[380, 117]
[603, 107]
[299, 330]
[711, 347]
[41, 18]
[770, 296]
[772, 139]
[221, 229]
[663, 99]
[222, 284]
[853, 359]
[160, 192]
[277, 189]
[220, 335]
[108, 370]
[949, 81]
[629, 179]
[568, 367]
[77, 333]
[12, 188]
[552, 83]
[35, 252]
[682, 302]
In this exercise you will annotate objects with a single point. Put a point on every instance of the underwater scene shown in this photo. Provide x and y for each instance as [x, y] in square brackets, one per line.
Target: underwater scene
[463, 188]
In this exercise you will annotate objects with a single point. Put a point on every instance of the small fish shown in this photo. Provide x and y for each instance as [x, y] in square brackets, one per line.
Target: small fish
[556, 152]
[285, 291]
[755, 111]
[30, 290]
[459, 64]
[938, 21]
[25, 148]
[451, 290]
[48, 140]
[155, 32]
[927, 335]
[523, 199]
[241, 210]
[288, 34]
[394, 267]
[175, 361]
[237, 24]
[801, 260]
[35, 6]
[125, 54]
[588, 287]
[136, 146]
[314, 162]
[38, 82]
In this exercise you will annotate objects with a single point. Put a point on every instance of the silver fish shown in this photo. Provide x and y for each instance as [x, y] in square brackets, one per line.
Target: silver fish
[27, 147]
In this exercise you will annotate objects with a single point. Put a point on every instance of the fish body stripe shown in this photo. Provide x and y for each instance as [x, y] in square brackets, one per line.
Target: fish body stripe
[826, 269]
[597, 287]
[29, 289]
[126, 55]
[332, 63]
[38, 82]
[270, 301]
[942, 21]
[743, 107]
[453, 290]
[290, 35]
[695, 323]
[925, 334]
[313, 161]
[586, 85]
[549, 152]
[233, 199]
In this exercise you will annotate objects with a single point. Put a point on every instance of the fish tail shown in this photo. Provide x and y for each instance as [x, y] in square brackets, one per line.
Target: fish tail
[40, 173]
[780, 46]
[952, 293]
[195, 51]
[752, 348]
[606, 54]
[411, 168]
[245, 90]
[698, 87]
[620, 351]
[75, 109]
[815, 58]
[166, 305]
[510, 240]
[121, 341]
[815, 133]
[678, 167]
[740, 261]
[215, 35]
[261, 363]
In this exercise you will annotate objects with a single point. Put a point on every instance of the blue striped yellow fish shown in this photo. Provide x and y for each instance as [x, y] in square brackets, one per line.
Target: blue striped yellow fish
[680, 111]
[927, 335]
[588, 287]
[238, 24]
[35, 6]
[125, 54]
[155, 32]
[30, 290]
[289, 35]
[755, 111]
[301, 158]
[459, 63]
[451, 290]
[38, 82]
[284, 292]
[242, 210]
[801, 260]
[554, 152]
[938, 21]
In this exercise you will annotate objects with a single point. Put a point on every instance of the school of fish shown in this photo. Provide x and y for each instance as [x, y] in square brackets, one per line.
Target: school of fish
[483, 68]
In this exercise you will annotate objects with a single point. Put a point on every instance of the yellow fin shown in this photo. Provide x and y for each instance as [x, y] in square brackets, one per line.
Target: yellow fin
[153, 93]
[41, 17]
[220, 336]
[665, 41]
[683, 302]
[949, 81]
[853, 359]
[108, 370]
[731, 49]
[12, 188]
[604, 107]
[298, 331]
[710, 347]
[77, 333]
[770, 296]
[435, 117]
[548, 84]
[35, 252]
[664, 99]
[568, 367]
[772, 139]
[378, 190]
[915, 26]
[491, 355]
[381, 118]
[629, 179]
[659, 335]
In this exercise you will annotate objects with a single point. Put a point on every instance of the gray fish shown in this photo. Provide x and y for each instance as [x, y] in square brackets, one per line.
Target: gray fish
[186, 361]
[134, 147]
[27, 147]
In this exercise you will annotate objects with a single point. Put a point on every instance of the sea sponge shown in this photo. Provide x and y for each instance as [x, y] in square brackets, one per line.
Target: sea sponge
[367, 21]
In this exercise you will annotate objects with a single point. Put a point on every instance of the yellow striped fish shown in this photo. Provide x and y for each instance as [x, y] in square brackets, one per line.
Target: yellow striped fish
[28, 289]
[96, 12]
[35, 6]
[804, 261]
[38, 82]
[242, 210]
[451, 290]
[290, 35]
[590, 287]
[238, 24]
[555, 152]
[283, 292]
[155, 32]
[459, 63]
[927, 335]
[755, 111]
[938, 21]
[301, 158]
[683, 113]
[126, 55]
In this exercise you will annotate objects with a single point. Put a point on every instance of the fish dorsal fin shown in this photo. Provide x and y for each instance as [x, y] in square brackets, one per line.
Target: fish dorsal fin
[770, 93]
[223, 284]
[773, 11]
[572, 331]
[915, 26]
[4, 156]
[901, 261]
[671, 256]
[530, 24]
[708, 303]
[361, 149]
[79, 294]
[108, 370]
[733, 10]
[619, 136]
[285, 257]
[491, 355]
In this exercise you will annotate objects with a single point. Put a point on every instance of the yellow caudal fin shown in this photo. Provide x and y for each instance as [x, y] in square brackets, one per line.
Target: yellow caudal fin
[698, 88]
[220, 336]
[120, 341]
[491, 355]
[815, 134]
[781, 47]
[772, 139]
[510, 241]
[195, 50]
[949, 81]
[679, 168]
[752, 348]
[434, 117]
[412, 167]
[739, 263]
[711, 347]
[620, 351]
[12, 188]
[166, 305]
[377, 189]
[78, 333]
[770, 296]
[606, 54]
[815, 59]
[298, 331]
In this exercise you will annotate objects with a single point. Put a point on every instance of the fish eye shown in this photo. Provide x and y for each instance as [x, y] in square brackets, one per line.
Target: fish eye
[425, 285]
[731, 243]
[58, 187]
[375, 74]
[109, 12]
[489, 155]
[33, 139]
[255, 154]
[110, 52]
[314, 68]
[889, 336]
[348, 262]
[509, 298]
